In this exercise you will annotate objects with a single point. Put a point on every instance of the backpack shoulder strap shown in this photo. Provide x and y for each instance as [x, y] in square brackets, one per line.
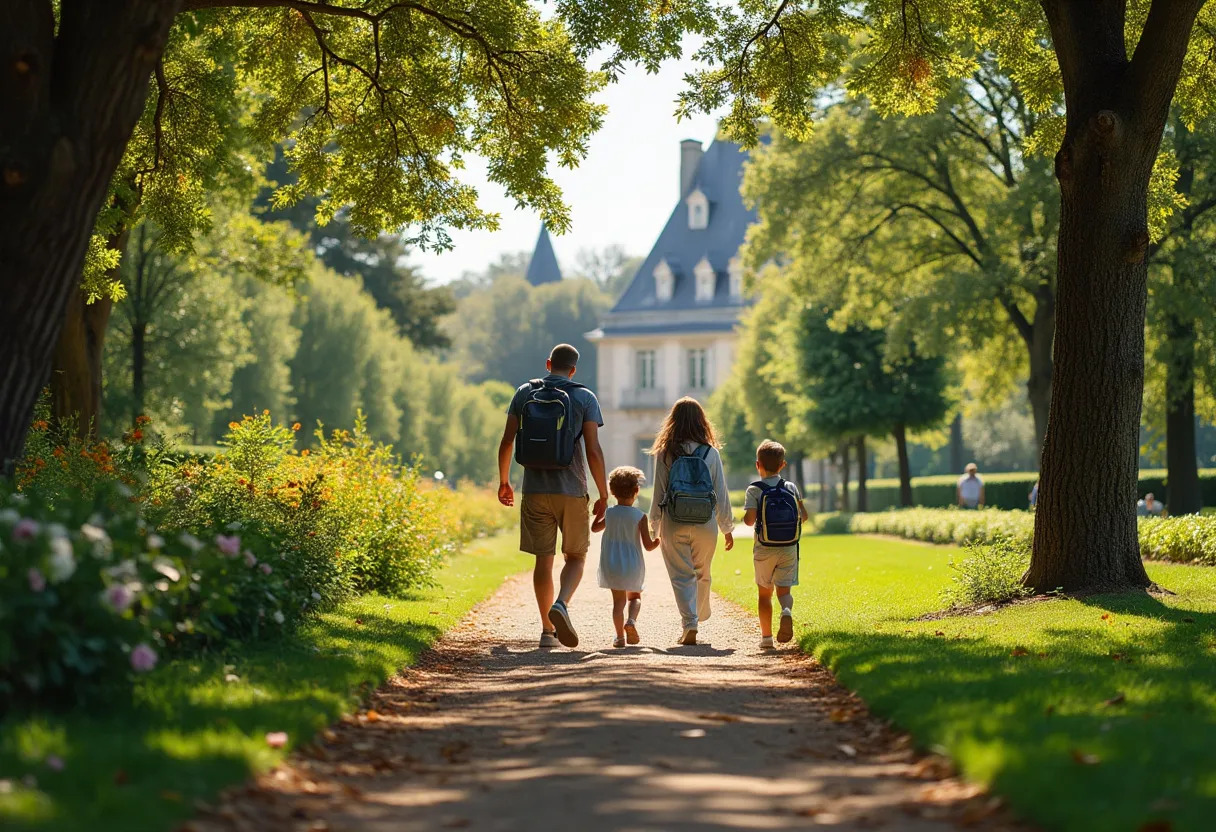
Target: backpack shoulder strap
[702, 452]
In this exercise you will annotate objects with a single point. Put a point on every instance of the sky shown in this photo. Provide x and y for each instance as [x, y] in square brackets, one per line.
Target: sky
[622, 193]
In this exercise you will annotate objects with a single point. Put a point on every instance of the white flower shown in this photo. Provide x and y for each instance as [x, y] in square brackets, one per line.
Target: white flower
[124, 571]
[316, 596]
[278, 616]
[165, 567]
[9, 516]
[190, 541]
[62, 562]
[94, 533]
[155, 541]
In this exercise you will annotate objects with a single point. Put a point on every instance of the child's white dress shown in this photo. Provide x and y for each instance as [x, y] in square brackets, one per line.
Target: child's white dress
[622, 565]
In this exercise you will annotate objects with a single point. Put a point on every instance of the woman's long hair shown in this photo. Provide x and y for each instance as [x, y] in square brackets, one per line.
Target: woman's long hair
[685, 422]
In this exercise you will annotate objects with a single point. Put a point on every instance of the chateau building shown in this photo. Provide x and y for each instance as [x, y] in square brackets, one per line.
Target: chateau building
[672, 331]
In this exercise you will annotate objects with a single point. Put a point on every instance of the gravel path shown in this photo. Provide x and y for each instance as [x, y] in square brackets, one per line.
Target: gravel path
[489, 732]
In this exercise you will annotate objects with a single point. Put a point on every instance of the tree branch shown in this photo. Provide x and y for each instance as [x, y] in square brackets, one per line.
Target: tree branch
[1157, 61]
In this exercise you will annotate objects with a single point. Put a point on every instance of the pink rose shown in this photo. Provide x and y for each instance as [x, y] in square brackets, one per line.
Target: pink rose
[229, 544]
[266, 570]
[276, 739]
[143, 658]
[36, 579]
[25, 528]
[250, 560]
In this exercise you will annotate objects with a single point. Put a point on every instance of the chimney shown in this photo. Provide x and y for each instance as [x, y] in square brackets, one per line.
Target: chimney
[690, 158]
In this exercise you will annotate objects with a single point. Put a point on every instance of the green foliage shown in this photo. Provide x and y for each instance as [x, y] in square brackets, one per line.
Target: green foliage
[1190, 539]
[504, 331]
[989, 573]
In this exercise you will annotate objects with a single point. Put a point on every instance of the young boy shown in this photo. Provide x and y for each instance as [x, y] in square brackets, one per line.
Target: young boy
[776, 564]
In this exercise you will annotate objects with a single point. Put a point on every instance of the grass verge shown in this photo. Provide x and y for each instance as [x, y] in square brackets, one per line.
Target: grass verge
[190, 732]
[1084, 714]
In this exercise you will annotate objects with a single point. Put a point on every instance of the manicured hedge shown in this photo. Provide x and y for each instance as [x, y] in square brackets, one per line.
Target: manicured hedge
[1190, 539]
[1007, 491]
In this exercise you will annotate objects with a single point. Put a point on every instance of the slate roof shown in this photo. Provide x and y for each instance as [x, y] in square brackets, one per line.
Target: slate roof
[543, 268]
[718, 176]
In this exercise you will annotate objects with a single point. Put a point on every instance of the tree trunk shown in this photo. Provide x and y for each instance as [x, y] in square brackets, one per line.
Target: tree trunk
[60, 144]
[905, 471]
[863, 502]
[823, 484]
[1038, 385]
[956, 444]
[844, 477]
[1116, 108]
[139, 354]
[1182, 466]
[76, 370]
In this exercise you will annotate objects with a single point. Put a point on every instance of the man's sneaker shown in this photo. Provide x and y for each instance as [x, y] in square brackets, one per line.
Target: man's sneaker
[559, 617]
[689, 638]
[786, 631]
[766, 643]
[631, 632]
[548, 638]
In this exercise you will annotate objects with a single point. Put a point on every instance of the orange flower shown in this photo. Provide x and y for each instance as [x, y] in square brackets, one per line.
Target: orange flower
[142, 420]
[41, 424]
[304, 452]
[265, 412]
[295, 425]
[233, 425]
[58, 452]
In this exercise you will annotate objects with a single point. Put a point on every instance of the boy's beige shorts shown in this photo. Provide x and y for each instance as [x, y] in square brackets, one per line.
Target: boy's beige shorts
[542, 515]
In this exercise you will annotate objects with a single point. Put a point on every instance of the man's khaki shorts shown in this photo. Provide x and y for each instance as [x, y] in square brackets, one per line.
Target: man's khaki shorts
[540, 517]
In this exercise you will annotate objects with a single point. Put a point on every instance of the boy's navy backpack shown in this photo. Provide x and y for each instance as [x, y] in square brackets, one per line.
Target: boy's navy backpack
[547, 432]
[778, 520]
[690, 489]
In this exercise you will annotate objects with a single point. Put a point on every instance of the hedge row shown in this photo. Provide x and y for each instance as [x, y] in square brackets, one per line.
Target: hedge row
[1189, 539]
[1008, 491]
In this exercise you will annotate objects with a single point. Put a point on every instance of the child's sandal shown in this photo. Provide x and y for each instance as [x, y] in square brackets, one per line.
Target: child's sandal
[631, 632]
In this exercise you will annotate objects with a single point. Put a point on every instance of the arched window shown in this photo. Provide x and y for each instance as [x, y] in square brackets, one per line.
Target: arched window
[698, 210]
[664, 282]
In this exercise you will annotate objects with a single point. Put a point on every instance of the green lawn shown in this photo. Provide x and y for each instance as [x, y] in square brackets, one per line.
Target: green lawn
[142, 768]
[1019, 698]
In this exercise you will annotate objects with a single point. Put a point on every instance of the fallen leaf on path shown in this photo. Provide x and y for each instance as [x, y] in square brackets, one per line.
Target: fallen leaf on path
[1081, 758]
[1117, 699]
[847, 750]
[372, 716]
[934, 767]
[839, 715]
[716, 717]
[980, 812]
[693, 733]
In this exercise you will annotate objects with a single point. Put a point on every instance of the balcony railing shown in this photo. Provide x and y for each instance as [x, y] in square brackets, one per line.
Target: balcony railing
[644, 398]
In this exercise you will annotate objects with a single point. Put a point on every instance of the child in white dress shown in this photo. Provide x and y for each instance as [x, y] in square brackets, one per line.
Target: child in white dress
[622, 565]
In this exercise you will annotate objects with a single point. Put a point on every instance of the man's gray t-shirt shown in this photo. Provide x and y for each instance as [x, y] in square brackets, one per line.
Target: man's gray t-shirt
[571, 481]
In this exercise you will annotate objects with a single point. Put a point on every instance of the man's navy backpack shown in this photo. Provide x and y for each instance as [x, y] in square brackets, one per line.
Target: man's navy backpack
[778, 520]
[690, 489]
[547, 430]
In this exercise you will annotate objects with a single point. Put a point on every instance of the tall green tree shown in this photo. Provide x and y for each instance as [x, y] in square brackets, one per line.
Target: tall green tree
[940, 226]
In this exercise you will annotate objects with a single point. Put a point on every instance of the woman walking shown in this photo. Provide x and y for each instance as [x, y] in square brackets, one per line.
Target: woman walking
[690, 505]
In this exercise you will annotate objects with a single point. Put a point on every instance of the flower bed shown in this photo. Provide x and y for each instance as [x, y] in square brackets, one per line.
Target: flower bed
[115, 556]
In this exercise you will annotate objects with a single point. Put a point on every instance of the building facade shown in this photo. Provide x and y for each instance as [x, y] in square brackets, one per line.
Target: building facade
[672, 331]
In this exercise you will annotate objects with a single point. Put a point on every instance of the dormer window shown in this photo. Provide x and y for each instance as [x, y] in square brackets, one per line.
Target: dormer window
[698, 210]
[664, 282]
[735, 271]
[706, 279]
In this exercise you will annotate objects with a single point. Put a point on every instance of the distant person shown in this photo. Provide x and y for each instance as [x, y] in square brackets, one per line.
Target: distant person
[622, 564]
[970, 491]
[553, 423]
[690, 505]
[1033, 497]
[1149, 506]
[774, 506]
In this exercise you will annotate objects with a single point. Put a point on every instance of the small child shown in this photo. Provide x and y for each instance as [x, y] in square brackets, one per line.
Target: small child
[775, 508]
[622, 566]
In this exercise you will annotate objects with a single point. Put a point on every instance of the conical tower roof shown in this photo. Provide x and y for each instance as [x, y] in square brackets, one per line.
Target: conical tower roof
[543, 268]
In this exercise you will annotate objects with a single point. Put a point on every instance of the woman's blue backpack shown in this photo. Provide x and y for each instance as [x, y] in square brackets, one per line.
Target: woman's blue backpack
[778, 519]
[690, 497]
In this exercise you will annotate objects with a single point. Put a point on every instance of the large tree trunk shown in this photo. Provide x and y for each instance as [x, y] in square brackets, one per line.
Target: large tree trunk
[1182, 465]
[139, 355]
[1038, 385]
[956, 444]
[68, 103]
[863, 500]
[1085, 526]
[905, 470]
[823, 485]
[844, 476]
[76, 369]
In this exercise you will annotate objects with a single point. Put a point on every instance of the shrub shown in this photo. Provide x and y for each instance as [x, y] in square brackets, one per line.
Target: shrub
[1190, 539]
[991, 573]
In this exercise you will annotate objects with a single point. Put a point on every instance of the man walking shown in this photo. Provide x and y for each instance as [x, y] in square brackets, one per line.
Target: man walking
[553, 424]
[970, 489]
